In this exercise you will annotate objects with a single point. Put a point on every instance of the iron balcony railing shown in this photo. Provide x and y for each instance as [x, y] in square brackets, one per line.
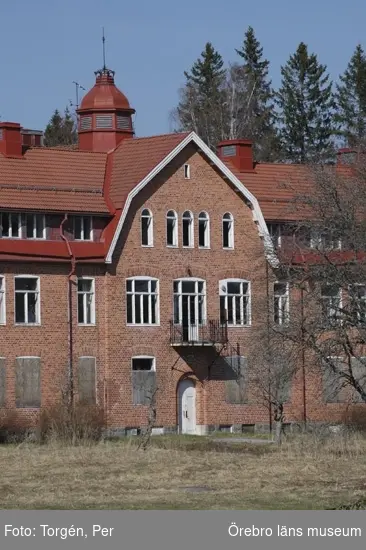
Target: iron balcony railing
[207, 333]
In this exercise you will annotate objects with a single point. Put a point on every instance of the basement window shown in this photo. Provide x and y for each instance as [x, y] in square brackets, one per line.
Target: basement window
[36, 226]
[27, 303]
[83, 228]
[10, 225]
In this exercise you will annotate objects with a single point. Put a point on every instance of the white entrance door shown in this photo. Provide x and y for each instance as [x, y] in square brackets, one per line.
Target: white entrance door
[187, 407]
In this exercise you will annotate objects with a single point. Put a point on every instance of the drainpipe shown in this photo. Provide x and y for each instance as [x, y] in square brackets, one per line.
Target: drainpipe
[268, 344]
[303, 358]
[70, 325]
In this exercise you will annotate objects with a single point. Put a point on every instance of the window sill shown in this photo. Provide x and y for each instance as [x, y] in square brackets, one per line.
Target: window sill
[87, 324]
[9, 238]
[147, 246]
[239, 326]
[204, 248]
[83, 240]
[142, 325]
[172, 246]
[227, 248]
[189, 247]
[27, 324]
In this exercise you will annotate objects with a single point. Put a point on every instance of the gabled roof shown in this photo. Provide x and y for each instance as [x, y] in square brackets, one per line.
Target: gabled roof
[54, 179]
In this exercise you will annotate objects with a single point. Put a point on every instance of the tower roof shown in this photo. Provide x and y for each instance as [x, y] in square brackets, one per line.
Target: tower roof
[105, 95]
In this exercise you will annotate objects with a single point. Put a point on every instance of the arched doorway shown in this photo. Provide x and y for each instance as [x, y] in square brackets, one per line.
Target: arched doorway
[187, 407]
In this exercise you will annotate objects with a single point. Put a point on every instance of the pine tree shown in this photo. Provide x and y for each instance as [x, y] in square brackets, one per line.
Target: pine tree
[60, 130]
[351, 100]
[306, 109]
[258, 104]
[201, 107]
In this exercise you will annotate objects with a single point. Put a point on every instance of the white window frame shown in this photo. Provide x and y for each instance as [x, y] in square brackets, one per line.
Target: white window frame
[38, 302]
[226, 221]
[153, 369]
[2, 300]
[82, 238]
[85, 294]
[175, 228]
[275, 231]
[283, 316]
[318, 241]
[204, 218]
[150, 227]
[34, 236]
[133, 293]
[363, 299]
[196, 294]
[187, 171]
[223, 293]
[336, 320]
[20, 232]
[188, 216]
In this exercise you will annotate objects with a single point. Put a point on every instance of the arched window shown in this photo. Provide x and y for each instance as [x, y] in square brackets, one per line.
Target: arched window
[188, 229]
[228, 231]
[171, 228]
[146, 228]
[203, 230]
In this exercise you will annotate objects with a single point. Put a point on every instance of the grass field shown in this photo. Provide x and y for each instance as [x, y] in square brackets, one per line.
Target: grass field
[185, 473]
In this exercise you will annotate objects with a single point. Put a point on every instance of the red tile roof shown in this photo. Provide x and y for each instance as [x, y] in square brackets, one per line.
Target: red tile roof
[135, 158]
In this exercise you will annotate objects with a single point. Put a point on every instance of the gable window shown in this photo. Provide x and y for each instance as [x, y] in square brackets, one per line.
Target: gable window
[86, 301]
[275, 232]
[11, 225]
[172, 228]
[358, 303]
[146, 228]
[228, 231]
[27, 302]
[142, 301]
[235, 302]
[36, 226]
[187, 171]
[83, 228]
[281, 303]
[203, 230]
[188, 229]
[143, 379]
[331, 303]
[2, 300]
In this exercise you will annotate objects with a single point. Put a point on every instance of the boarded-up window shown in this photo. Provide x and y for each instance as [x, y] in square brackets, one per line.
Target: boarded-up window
[334, 387]
[359, 373]
[236, 376]
[87, 380]
[2, 382]
[143, 380]
[28, 382]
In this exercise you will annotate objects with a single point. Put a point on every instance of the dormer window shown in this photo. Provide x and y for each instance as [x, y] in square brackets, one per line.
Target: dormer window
[36, 226]
[83, 228]
[10, 225]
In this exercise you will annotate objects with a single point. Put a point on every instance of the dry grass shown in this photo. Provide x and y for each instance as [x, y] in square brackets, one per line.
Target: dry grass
[307, 473]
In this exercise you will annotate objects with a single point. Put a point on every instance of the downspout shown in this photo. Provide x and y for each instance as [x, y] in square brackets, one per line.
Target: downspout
[303, 358]
[268, 344]
[69, 316]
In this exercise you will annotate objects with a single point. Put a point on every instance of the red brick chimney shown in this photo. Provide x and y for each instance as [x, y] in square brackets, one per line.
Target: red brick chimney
[10, 139]
[239, 152]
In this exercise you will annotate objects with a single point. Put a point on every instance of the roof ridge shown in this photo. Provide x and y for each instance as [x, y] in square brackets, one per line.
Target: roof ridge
[162, 135]
[66, 150]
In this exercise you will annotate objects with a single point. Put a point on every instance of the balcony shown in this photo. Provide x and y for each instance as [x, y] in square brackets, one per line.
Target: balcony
[207, 333]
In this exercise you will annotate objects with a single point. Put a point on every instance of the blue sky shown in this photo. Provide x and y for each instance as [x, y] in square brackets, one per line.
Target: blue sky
[46, 45]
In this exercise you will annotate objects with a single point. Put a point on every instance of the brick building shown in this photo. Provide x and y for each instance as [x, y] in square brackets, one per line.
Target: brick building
[134, 263]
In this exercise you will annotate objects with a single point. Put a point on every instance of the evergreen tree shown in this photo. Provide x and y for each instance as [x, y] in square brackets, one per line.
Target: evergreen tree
[202, 101]
[258, 102]
[351, 99]
[306, 109]
[61, 130]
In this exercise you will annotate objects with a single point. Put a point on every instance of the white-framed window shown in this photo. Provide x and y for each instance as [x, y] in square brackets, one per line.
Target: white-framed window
[142, 301]
[188, 231]
[275, 232]
[357, 293]
[36, 226]
[146, 228]
[203, 230]
[143, 363]
[86, 301]
[189, 302]
[27, 300]
[324, 240]
[172, 228]
[331, 298]
[235, 302]
[2, 301]
[187, 171]
[10, 225]
[281, 303]
[228, 230]
[83, 228]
